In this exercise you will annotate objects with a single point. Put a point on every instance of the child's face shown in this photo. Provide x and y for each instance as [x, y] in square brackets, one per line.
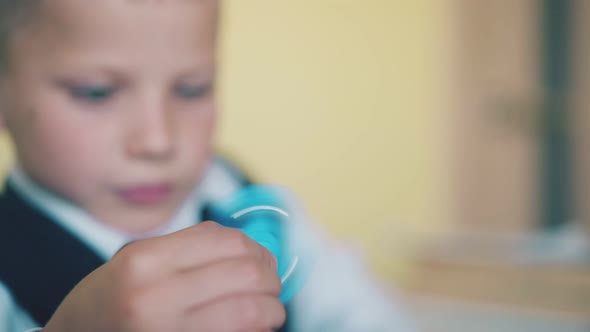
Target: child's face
[111, 104]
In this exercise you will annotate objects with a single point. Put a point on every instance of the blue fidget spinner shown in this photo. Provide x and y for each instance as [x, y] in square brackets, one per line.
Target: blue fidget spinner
[263, 212]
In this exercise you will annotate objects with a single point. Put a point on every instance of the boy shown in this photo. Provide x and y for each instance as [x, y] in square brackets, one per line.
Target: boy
[111, 107]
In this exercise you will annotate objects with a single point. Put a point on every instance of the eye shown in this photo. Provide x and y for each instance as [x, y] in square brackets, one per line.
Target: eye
[92, 94]
[192, 91]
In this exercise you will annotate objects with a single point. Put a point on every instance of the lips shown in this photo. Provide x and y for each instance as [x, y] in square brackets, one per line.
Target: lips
[146, 194]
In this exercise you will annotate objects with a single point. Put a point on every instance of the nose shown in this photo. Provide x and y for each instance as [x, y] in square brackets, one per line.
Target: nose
[151, 133]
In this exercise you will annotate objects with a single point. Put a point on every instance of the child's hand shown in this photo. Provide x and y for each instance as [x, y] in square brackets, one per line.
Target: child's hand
[204, 278]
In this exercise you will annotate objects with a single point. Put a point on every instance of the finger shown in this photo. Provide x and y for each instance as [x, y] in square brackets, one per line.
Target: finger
[225, 278]
[190, 248]
[236, 314]
[209, 242]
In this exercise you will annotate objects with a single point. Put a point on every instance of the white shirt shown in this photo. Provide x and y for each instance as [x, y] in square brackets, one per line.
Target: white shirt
[339, 295]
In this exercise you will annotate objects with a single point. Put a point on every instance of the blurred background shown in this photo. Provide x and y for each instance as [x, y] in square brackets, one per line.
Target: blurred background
[446, 139]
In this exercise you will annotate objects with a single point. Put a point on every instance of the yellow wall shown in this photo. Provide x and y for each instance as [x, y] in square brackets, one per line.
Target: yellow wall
[5, 153]
[342, 100]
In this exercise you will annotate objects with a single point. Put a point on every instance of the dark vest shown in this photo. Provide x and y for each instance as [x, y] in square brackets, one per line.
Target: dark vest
[40, 262]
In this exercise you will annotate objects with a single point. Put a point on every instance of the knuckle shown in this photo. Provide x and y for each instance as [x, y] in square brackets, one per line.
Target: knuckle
[275, 285]
[236, 241]
[133, 260]
[250, 313]
[251, 271]
[208, 225]
[281, 311]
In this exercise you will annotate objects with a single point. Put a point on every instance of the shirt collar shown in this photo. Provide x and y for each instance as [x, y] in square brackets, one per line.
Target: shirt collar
[105, 240]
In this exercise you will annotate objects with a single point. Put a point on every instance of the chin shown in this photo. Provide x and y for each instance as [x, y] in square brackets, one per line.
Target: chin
[144, 221]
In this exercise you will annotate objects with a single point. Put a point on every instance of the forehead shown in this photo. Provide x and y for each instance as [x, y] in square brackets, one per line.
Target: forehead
[132, 26]
[109, 12]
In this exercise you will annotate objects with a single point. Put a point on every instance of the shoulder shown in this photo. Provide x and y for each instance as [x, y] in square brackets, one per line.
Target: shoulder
[12, 204]
[5, 197]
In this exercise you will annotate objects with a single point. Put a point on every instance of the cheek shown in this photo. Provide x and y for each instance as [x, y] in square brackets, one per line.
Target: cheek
[59, 148]
[197, 138]
[79, 139]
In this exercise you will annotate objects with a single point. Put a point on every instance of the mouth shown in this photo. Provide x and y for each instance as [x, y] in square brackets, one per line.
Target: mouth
[146, 194]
